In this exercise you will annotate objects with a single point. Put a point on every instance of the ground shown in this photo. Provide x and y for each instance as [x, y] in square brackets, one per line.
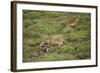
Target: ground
[39, 25]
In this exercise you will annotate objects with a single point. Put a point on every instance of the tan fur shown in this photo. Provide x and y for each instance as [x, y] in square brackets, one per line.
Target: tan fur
[55, 40]
[74, 21]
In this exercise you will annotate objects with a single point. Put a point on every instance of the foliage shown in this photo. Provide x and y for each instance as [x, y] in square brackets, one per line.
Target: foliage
[39, 25]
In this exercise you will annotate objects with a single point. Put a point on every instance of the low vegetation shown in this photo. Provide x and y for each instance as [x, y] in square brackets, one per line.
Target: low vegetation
[38, 26]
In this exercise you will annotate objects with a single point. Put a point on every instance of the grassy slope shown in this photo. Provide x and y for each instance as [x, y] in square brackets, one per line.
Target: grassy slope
[38, 25]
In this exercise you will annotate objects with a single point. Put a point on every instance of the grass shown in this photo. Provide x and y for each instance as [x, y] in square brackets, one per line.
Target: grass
[39, 25]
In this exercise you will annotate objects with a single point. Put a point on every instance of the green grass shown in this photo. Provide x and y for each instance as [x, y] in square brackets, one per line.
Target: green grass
[39, 25]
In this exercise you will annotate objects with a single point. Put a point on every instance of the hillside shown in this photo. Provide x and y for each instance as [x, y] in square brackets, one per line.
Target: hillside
[39, 25]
